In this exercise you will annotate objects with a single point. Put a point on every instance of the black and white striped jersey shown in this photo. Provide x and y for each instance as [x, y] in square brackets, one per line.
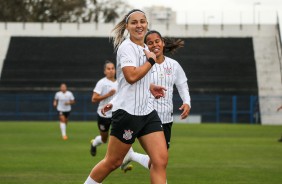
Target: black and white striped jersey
[133, 98]
[167, 74]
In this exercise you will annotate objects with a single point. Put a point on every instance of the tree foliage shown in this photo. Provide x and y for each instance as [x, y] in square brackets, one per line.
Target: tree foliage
[61, 10]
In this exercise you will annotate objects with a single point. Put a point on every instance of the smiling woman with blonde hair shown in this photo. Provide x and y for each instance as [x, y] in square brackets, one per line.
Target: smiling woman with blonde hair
[133, 114]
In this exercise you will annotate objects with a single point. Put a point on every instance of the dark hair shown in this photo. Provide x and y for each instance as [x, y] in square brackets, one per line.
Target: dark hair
[119, 29]
[171, 45]
[108, 62]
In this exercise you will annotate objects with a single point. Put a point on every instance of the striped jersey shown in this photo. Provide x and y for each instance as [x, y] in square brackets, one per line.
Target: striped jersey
[133, 98]
[166, 74]
[103, 87]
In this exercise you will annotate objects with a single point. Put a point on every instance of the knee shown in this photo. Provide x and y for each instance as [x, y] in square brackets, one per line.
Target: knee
[113, 163]
[160, 161]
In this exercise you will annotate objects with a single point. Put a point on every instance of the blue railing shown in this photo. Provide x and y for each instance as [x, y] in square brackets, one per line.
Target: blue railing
[212, 108]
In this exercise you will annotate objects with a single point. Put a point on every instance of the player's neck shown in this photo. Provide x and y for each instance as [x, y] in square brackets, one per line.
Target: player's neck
[111, 79]
[160, 59]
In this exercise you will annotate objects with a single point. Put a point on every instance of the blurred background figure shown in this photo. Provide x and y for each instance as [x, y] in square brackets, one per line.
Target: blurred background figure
[103, 93]
[63, 101]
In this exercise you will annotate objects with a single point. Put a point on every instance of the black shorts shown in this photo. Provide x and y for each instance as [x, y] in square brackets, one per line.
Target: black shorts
[103, 123]
[167, 133]
[127, 127]
[66, 114]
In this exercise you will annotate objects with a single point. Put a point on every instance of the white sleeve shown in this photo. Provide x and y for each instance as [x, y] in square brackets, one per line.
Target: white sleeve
[56, 96]
[180, 75]
[127, 56]
[71, 96]
[183, 91]
[98, 88]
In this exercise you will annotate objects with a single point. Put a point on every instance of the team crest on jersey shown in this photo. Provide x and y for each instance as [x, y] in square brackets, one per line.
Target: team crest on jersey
[127, 134]
[168, 71]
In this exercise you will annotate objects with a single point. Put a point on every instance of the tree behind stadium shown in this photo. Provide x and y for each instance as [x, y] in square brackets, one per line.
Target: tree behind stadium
[61, 10]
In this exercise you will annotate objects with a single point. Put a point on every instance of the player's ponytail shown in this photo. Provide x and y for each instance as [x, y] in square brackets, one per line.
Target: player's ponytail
[171, 44]
[118, 31]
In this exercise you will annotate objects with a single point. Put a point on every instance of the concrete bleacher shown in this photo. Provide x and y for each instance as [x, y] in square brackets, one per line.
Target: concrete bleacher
[213, 65]
[219, 65]
[45, 62]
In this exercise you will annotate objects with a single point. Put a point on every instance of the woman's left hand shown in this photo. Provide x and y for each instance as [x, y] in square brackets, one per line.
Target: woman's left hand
[186, 111]
[157, 91]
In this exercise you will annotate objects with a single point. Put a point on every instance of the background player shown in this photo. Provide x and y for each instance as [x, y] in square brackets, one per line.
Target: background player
[63, 101]
[166, 72]
[103, 93]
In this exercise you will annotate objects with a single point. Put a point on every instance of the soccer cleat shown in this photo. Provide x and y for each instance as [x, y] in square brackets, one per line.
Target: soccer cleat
[65, 137]
[93, 149]
[127, 168]
[126, 160]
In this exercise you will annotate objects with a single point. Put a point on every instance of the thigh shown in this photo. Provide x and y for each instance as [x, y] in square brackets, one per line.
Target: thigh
[116, 150]
[155, 146]
[62, 117]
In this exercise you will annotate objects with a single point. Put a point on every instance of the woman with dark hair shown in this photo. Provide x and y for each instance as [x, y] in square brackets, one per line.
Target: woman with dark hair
[133, 114]
[166, 72]
[103, 93]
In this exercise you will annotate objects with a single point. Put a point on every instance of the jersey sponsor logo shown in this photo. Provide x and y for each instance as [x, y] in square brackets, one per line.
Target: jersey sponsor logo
[127, 134]
[168, 71]
[127, 61]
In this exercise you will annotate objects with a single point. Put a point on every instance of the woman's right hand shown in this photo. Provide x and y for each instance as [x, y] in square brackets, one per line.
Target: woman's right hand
[106, 108]
[150, 54]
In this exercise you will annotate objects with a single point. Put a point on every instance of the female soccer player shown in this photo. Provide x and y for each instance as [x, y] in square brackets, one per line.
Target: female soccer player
[133, 114]
[103, 93]
[166, 72]
[63, 101]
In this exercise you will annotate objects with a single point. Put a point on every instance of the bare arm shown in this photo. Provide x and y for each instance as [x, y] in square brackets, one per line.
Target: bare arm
[55, 103]
[71, 102]
[279, 108]
[133, 74]
[97, 97]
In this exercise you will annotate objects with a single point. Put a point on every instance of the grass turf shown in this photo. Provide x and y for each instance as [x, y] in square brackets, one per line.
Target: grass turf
[33, 152]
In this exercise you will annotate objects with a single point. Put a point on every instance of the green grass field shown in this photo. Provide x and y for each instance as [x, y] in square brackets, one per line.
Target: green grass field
[33, 153]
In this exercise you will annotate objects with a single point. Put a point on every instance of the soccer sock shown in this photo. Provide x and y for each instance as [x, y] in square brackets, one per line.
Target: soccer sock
[89, 180]
[141, 159]
[63, 128]
[97, 141]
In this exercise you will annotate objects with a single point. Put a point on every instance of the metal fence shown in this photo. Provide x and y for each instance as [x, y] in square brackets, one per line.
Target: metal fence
[211, 108]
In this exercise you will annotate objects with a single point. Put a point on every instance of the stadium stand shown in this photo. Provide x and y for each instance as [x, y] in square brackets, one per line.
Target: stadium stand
[213, 65]
[247, 56]
[42, 63]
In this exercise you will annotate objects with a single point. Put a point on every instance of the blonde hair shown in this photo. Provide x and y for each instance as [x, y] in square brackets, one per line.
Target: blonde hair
[119, 29]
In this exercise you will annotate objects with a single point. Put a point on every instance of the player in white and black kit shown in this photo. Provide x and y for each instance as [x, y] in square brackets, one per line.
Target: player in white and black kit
[103, 93]
[166, 72]
[63, 101]
[133, 114]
